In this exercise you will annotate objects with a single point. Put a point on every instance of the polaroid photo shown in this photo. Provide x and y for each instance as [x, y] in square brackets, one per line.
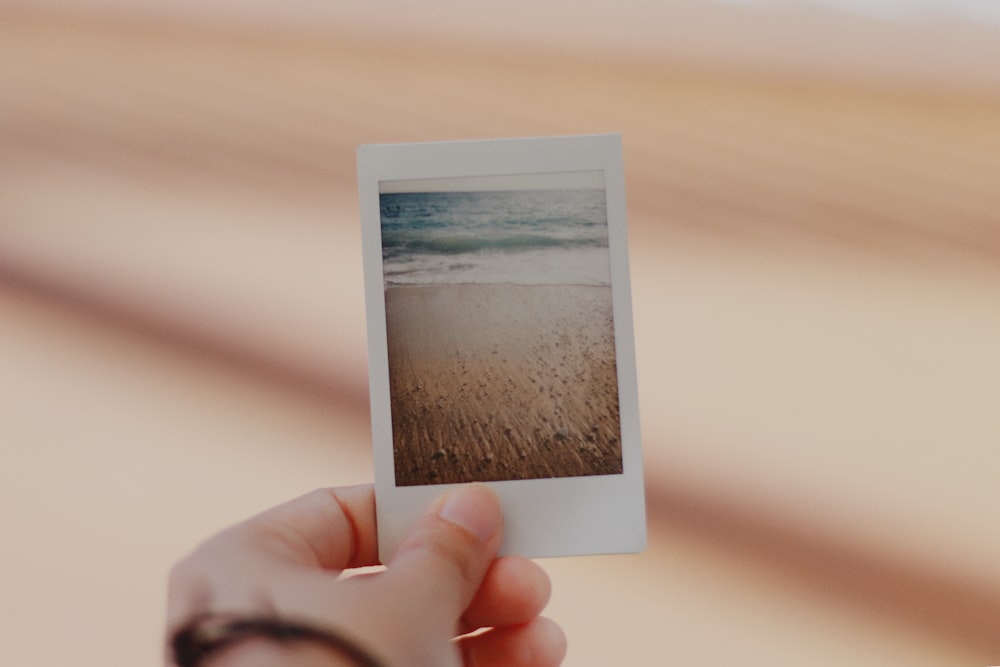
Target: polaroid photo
[500, 337]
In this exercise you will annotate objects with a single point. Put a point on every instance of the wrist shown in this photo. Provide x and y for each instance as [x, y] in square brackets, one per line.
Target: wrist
[264, 653]
[263, 640]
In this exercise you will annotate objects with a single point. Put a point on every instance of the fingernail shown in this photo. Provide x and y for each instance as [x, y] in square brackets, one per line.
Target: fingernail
[475, 508]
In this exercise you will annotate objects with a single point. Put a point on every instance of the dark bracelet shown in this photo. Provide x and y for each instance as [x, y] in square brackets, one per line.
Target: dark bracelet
[206, 635]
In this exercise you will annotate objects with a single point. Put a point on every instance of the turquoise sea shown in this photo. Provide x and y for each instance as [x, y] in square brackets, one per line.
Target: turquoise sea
[526, 237]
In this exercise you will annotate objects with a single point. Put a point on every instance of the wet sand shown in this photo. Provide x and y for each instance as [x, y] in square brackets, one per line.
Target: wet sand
[498, 382]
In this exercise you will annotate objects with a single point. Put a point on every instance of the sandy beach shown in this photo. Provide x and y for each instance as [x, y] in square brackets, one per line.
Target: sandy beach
[499, 381]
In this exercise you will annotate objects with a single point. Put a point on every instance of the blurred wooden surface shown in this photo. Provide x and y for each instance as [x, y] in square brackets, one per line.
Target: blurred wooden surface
[815, 271]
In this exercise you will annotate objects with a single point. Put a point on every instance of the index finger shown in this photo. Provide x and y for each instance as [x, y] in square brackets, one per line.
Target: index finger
[333, 528]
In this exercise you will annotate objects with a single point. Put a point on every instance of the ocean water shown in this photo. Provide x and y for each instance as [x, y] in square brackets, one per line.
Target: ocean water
[527, 237]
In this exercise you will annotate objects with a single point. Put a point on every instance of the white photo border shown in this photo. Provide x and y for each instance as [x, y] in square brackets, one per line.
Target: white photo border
[542, 517]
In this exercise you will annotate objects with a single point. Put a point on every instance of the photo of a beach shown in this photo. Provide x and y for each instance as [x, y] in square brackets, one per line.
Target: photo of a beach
[500, 331]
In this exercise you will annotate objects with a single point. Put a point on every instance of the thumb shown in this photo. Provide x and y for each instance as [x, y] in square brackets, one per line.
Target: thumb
[443, 559]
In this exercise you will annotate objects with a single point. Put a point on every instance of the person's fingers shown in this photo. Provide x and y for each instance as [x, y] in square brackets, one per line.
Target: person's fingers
[443, 559]
[514, 590]
[329, 528]
[540, 643]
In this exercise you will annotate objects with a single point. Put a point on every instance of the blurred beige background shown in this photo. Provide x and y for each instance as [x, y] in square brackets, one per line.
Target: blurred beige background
[815, 234]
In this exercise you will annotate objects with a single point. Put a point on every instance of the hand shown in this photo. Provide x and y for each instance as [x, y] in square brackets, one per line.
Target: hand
[444, 581]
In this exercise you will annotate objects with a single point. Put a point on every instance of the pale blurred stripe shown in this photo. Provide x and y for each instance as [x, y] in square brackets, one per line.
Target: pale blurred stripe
[814, 266]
